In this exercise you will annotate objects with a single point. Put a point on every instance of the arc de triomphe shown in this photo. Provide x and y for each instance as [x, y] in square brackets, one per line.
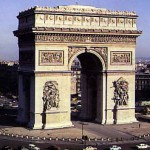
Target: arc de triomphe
[50, 39]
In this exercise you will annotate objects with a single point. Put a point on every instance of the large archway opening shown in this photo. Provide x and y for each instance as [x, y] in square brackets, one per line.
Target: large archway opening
[86, 103]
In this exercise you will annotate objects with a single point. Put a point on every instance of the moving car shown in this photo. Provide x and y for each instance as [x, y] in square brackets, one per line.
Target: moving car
[115, 147]
[33, 147]
[142, 146]
[90, 148]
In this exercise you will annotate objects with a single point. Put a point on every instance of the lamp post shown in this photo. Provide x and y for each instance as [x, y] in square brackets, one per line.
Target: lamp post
[83, 137]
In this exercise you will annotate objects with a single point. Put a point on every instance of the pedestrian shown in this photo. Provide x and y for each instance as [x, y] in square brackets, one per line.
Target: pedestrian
[139, 125]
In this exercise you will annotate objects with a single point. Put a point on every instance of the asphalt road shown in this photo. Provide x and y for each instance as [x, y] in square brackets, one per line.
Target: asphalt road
[97, 129]
[45, 145]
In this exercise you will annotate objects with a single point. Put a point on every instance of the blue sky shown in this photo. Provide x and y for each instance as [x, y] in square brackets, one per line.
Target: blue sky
[9, 9]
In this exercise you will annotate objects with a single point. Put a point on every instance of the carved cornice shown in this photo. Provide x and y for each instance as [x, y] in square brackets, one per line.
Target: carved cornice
[23, 31]
[107, 31]
[76, 30]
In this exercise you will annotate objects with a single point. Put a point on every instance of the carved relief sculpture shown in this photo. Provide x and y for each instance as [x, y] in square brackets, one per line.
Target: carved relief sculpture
[120, 22]
[73, 50]
[87, 17]
[112, 22]
[128, 22]
[102, 51]
[121, 58]
[103, 21]
[120, 92]
[50, 95]
[50, 39]
[85, 38]
[51, 58]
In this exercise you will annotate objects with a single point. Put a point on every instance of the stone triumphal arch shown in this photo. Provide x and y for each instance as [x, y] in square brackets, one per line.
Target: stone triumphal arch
[50, 39]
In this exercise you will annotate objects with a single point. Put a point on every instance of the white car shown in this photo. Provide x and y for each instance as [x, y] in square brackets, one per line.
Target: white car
[24, 148]
[115, 147]
[142, 146]
[90, 148]
[33, 147]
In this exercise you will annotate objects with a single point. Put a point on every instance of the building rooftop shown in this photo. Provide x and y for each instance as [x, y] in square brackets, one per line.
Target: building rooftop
[82, 9]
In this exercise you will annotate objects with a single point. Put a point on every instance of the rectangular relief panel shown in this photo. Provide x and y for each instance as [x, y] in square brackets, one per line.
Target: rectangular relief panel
[120, 58]
[51, 57]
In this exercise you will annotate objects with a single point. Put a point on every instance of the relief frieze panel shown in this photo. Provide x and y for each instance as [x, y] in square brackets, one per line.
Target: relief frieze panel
[95, 21]
[84, 21]
[121, 58]
[49, 19]
[120, 22]
[59, 19]
[77, 20]
[68, 20]
[51, 57]
[81, 38]
[134, 23]
[112, 22]
[78, 17]
[128, 22]
[103, 21]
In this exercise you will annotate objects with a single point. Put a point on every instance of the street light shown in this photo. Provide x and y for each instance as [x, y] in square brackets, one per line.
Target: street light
[85, 138]
[82, 123]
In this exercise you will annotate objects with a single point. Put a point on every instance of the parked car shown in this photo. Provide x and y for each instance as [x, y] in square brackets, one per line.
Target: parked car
[115, 147]
[142, 146]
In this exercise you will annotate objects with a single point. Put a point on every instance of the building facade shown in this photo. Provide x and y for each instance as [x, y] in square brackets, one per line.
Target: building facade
[50, 39]
[142, 86]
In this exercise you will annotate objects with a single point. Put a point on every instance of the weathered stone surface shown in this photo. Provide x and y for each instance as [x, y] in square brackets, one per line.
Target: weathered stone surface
[50, 39]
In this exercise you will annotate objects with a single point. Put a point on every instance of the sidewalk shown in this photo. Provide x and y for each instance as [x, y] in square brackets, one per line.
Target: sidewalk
[92, 130]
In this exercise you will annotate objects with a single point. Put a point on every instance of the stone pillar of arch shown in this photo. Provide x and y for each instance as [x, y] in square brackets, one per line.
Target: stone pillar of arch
[49, 39]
